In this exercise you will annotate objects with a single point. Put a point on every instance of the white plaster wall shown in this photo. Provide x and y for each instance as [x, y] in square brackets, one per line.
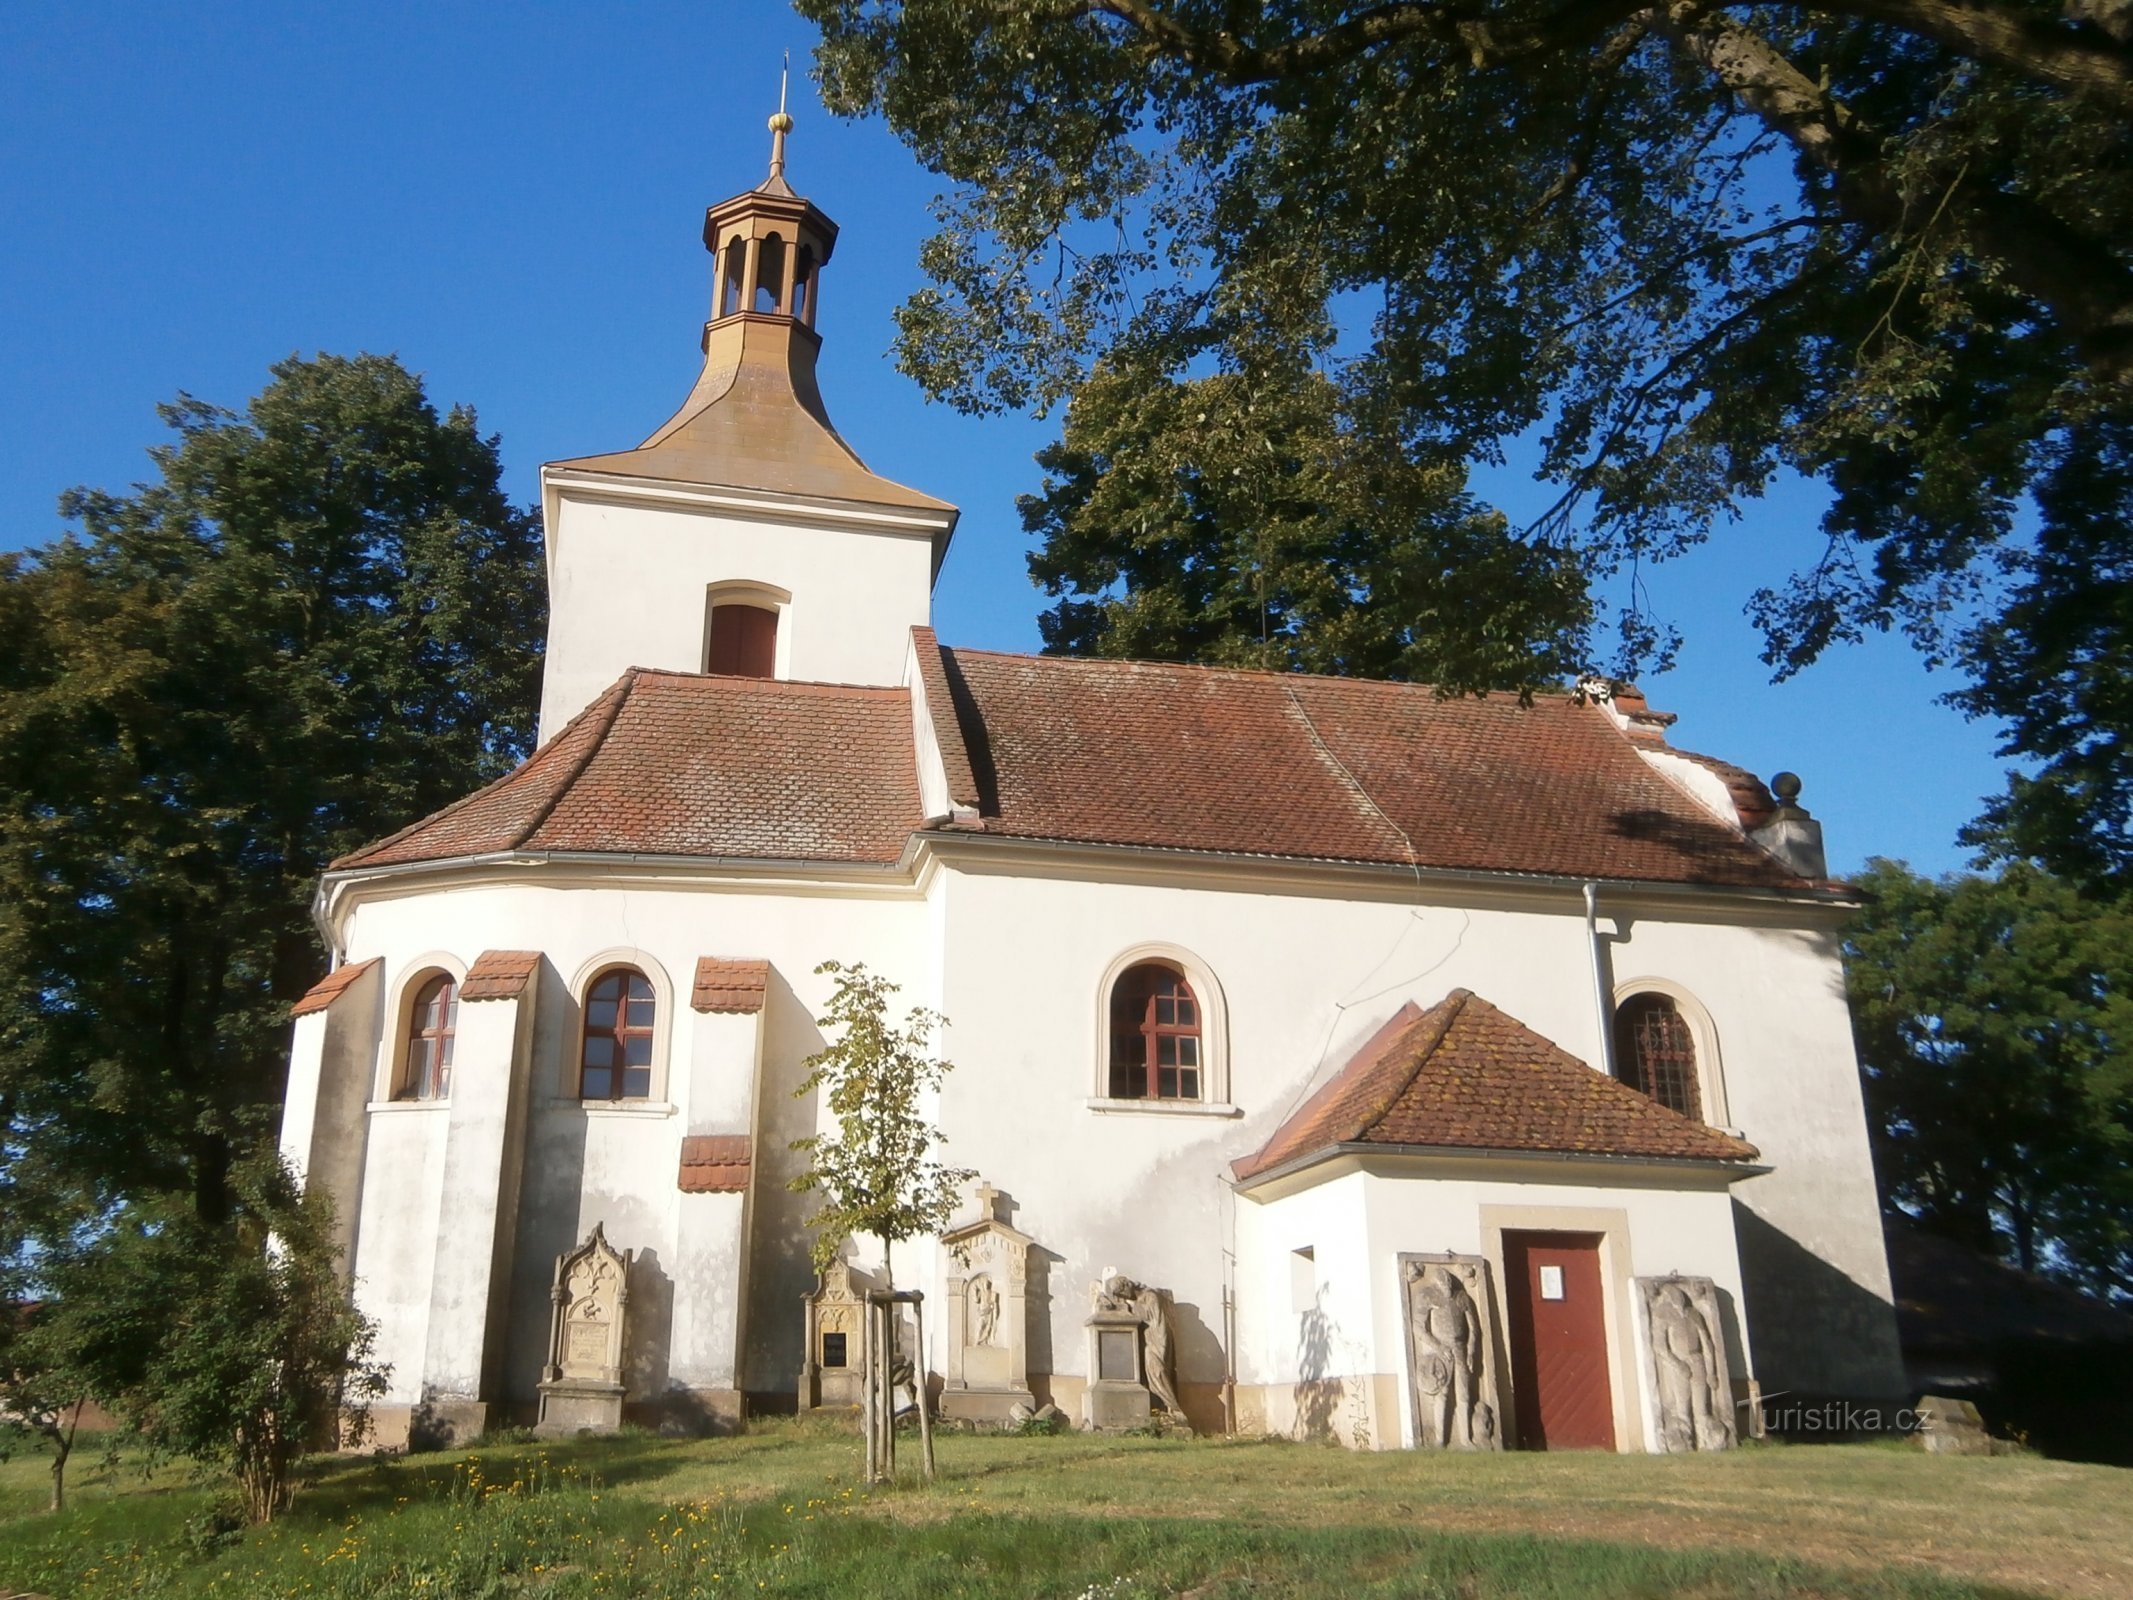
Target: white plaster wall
[1306, 981]
[620, 1165]
[396, 1242]
[1776, 1000]
[627, 589]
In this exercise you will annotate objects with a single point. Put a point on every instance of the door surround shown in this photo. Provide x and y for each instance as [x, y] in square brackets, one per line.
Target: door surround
[1617, 1300]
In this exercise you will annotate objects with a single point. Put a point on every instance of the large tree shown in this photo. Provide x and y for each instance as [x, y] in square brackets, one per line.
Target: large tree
[1995, 1027]
[321, 619]
[1673, 248]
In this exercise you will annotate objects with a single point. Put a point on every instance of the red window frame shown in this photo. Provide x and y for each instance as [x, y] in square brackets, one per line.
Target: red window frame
[1655, 1052]
[1157, 1051]
[432, 1019]
[615, 1042]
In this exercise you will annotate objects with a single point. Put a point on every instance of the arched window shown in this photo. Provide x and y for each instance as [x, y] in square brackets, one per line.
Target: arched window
[770, 274]
[1655, 1052]
[1155, 1035]
[615, 1060]
[744, 640]
[426, 1069]
[736, 265]
[803, 285]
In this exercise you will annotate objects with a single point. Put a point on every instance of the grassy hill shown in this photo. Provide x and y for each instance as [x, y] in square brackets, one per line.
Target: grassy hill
[778, 1512]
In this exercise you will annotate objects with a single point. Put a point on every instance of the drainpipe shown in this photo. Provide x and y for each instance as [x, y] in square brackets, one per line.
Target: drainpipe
[1602, 1001]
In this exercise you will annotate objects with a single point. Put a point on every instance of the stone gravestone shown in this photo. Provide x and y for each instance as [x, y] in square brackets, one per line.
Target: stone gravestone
[1951, 1427]
[986, 1270]
[1129, 1356]
[1450, 1320]
[1690, 1379]
[581, 1387]
[834, 1367]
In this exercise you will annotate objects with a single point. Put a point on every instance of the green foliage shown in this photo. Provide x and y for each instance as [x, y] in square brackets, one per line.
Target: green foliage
[1888, 245]
[1241, 520]
[320, 620]
[234, 1343]
[1995, 1028]
[876, 1172]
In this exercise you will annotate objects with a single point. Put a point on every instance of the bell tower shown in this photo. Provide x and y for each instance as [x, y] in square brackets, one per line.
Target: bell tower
[743, 536]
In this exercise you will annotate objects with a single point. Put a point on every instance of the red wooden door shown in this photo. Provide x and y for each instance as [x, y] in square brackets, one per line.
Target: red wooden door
[1558, 1337]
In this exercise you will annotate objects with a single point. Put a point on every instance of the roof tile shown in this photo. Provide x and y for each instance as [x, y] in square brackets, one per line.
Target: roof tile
[1465, 1076]
[715, 1163]
[500, 974]
[331, 987]
[729, 986]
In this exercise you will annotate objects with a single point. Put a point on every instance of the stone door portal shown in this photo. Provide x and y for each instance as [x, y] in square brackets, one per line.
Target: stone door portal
[1558, 1335]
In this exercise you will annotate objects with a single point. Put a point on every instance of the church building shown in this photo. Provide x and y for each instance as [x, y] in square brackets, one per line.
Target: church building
[1402, 1070]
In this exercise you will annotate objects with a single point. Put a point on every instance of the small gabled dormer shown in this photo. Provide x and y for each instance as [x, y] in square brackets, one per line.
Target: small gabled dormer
[743, 536]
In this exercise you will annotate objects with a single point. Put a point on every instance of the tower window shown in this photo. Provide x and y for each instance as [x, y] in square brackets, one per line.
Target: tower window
[730, 291]
[1655, 1052]
[770, 274]
[803, 285]
[743, 642]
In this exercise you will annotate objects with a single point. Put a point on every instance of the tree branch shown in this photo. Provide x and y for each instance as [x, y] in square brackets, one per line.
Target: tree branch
[2088, 290]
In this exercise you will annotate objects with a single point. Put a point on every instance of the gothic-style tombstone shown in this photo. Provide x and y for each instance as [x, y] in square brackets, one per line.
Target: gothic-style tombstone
[1450, 1320]
[985, 1268]
[1129, 1356]
[832, 1372]
[581, 1387]
[1690, 1380]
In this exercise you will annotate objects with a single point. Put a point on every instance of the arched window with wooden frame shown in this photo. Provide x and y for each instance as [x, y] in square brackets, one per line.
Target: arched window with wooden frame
[1655, 1052]
[1155, 1035]
[426, 1064]
[615, 1048]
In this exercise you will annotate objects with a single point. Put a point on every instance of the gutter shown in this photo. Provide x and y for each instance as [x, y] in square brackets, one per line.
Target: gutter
[1602, 996]
[1732, 1170]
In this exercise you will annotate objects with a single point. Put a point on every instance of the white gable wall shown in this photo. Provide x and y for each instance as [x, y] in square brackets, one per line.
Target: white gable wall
[630, 566]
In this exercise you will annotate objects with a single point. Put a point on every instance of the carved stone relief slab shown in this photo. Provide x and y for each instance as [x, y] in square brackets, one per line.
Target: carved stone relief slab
[1691, 1383]
[581, 1386]
[1448, 1310]
[985, 1268]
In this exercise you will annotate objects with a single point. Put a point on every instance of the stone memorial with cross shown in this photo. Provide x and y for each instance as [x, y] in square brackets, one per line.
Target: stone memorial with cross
[986, 1271]
[581, 1386]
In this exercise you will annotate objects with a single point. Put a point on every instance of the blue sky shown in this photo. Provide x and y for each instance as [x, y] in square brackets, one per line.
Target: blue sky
[510, 198]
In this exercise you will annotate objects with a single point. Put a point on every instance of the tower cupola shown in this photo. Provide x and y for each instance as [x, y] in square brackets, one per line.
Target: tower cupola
[743, 537]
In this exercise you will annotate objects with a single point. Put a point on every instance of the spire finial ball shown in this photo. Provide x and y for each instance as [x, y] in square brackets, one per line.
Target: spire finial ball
[780, 122]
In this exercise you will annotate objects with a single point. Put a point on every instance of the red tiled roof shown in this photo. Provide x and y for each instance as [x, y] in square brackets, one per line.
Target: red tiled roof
[500, 974]
[729, 985]
[1342, 769]
[330, 988]
[672, 763]
[716, 1163]
[1464, 1076]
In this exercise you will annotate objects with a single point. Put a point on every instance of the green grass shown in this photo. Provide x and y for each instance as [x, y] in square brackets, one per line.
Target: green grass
[777, 1513]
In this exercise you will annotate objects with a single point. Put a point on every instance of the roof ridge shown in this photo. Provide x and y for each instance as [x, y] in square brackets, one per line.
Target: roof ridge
[770, 685]
[1565, 696]
[618, 695]
[453, 808]
[1452, 1007]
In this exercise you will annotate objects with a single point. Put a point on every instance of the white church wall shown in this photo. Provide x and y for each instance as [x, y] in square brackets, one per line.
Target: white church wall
[628, 581]
[1306, 980]
[1776, 1000]
[396, 1241]
[619, 1166]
